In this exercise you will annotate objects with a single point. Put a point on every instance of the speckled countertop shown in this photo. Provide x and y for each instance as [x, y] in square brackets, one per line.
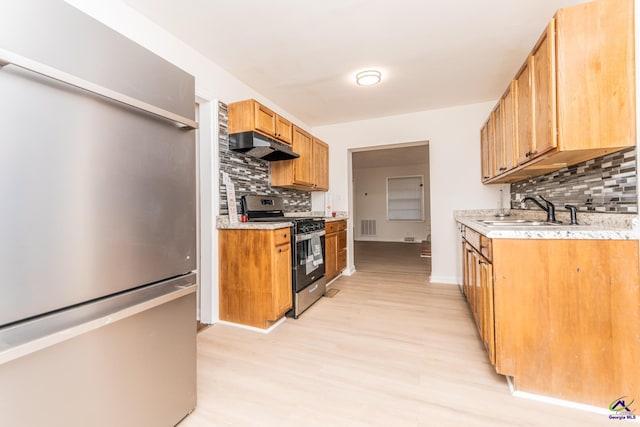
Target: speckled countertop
[222, 221]
[596, 226]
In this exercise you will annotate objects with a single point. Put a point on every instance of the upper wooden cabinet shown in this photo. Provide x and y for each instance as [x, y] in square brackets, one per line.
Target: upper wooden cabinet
[573, 99]
[320, 165]
[310, 171]
[250, 115]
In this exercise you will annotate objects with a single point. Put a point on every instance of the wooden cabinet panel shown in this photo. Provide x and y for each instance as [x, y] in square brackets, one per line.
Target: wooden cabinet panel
[265, 119]
[320, 165]
[331, 256]
[509, 141]
[544, 93]
[255, 276]
[600, 104]
[284, 130]
[302, 166]
[558, 313]
[336, 248]
[497, 153]
[524, 112]
[485, 150]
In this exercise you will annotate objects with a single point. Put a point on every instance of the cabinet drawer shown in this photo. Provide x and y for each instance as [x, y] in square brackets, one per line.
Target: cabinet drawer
[282, 236]
[479, 242]
[334, 226]
[485, 247]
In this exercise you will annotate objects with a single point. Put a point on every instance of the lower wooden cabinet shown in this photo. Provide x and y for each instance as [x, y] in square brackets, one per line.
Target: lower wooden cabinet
[335, 248]
[478, 286]
[560, 316]
[255, 276]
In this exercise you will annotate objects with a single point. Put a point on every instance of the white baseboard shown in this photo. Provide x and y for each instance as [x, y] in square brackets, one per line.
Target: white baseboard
[560, 402]
[252, 328]
[444, 280]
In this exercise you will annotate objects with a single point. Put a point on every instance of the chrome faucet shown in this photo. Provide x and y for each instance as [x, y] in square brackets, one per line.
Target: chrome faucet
[550, 209]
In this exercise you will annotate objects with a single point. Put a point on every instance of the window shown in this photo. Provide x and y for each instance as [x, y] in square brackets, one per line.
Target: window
[405, 198]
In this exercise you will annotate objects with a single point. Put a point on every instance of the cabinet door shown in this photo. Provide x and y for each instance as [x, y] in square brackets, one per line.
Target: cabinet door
[477, 292]
[485, 151]
[498, 141]
[507, 148]
[284, 130]
[320, 165]
[331, 256]
[470, 277]
[342, 251]
[303, 165]
[524, 114]
[281, 284]
[544, 92]
[488, 334]
[264, 119]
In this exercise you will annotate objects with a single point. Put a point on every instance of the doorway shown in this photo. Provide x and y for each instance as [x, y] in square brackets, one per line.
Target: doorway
[391, 208]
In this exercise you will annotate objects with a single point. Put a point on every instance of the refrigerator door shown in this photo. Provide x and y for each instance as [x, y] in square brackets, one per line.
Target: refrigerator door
[128, 360]
[97, 198]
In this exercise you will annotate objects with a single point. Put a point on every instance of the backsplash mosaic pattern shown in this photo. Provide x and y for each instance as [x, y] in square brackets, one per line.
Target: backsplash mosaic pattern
[251, 175]
[605, 184]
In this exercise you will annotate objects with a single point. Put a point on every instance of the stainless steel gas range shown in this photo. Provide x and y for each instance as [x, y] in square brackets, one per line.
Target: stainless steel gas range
[307, 248]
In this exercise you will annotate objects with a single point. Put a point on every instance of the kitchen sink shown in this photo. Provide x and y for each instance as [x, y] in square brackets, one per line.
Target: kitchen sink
[517, 223]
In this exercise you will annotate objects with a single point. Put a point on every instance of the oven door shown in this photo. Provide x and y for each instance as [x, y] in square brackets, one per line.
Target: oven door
[309, 262]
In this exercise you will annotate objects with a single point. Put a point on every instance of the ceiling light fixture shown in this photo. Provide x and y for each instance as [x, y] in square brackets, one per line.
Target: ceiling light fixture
[368, 77]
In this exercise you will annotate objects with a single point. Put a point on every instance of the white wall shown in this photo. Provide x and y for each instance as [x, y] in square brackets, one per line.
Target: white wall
[454, 164]
[370, 202]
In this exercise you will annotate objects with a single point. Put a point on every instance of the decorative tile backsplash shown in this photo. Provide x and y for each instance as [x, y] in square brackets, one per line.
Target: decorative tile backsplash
[251, 175]
[605, 184]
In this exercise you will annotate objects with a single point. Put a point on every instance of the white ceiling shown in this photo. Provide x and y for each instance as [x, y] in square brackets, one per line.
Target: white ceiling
[302, 54]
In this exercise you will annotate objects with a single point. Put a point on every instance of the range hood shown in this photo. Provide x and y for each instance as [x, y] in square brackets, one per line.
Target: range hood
[262, 147]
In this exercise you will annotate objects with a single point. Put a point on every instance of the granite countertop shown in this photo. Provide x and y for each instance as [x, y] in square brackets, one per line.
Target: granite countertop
[596, 226]
[222, 221]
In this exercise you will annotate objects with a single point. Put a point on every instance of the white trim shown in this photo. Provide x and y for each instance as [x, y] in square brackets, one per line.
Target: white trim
[208, 197]
[559, 402]
[444, 280]
[349, 271]
[253, 328]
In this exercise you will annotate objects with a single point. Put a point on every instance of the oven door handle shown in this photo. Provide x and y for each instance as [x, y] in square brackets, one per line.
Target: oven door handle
[309, 236]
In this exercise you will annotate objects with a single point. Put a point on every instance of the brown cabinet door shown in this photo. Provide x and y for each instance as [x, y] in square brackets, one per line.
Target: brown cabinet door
[264, 119]
[497, 154]
[507, 148]
[303, 165]
[281, 285]
[331, 256]
[284, 129]
[524, 111]
[320, 165]
[488, 334]
[544, 93]
[485, 151]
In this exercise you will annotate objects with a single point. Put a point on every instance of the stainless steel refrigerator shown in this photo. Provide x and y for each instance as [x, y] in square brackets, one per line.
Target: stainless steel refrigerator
[97, 225]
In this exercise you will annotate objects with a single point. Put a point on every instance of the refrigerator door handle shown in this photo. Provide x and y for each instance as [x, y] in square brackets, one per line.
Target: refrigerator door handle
[10, 58]
[30, 336]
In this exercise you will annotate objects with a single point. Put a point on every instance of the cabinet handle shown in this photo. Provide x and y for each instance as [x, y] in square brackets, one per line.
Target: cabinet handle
[284, 235]
[527, 154]
[503, 168]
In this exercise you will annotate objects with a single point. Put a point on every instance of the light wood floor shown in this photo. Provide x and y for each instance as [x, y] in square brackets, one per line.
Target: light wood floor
[389, 349]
